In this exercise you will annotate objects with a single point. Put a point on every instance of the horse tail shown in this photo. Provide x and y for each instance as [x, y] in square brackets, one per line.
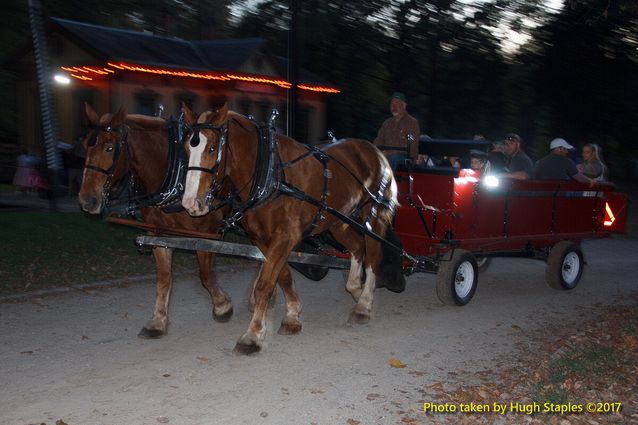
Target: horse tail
[391, 267]
[390, 193]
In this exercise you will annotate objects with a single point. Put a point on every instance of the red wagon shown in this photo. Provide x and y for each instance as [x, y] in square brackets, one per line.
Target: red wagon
[452, 222]
[457, 220]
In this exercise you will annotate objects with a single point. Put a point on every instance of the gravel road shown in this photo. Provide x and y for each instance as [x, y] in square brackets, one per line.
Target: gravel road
[75, 356]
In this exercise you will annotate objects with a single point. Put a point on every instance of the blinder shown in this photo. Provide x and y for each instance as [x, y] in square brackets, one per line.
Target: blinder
[217, 183]
[195, 141]
[122, 131]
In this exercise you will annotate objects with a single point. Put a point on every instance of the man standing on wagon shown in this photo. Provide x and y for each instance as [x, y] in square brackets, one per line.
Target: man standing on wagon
[394, 132]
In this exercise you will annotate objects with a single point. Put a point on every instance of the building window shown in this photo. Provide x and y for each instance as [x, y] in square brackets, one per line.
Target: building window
[263, 111]
[146, 102]
[188, 98]
[302, 127]
[217, 100]
[244, 106]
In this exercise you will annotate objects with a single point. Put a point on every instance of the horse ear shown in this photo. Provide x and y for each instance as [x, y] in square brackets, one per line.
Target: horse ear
[189, 115]
[91, 114]
[119, 117]
[219, 116]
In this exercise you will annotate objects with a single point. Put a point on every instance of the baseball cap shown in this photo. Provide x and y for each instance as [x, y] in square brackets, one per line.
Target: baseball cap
[560, 143]
[398, 95]
[512, 137]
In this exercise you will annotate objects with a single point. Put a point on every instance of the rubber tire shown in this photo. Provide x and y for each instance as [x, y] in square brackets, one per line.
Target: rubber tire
[446, 278]
[555, 263]
[483, 263]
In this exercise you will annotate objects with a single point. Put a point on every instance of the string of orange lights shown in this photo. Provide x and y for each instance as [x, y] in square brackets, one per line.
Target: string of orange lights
[86, 73]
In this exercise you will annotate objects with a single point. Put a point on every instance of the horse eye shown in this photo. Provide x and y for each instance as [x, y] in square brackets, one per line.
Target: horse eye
[212, 149]
[109, 148]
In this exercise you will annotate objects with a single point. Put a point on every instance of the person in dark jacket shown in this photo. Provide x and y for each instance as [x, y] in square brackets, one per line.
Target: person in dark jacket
[557, 165]
[520, 165]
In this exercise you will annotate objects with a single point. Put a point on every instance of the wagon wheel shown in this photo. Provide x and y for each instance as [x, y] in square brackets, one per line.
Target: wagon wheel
[483, 263]
[564, 265]
[457, 279]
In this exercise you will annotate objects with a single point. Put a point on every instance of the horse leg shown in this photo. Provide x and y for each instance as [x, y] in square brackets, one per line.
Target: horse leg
[291, 324]
[363, 308]
[251, 298]
[222, 304]
[354, 284]
[156, 327]
[276, 257]
[355, 243]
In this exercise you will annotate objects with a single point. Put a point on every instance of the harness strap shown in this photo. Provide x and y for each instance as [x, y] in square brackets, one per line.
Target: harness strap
[169, 194]
[322, 157]
[265, 181]
[295, 193]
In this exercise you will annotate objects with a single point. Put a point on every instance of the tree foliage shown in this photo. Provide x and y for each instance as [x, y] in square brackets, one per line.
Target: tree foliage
[572, 77]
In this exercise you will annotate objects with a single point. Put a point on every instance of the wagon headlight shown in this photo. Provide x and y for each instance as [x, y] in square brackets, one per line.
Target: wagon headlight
[490, 181]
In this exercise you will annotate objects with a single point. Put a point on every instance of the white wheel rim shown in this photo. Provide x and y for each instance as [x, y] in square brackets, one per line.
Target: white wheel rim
[464, 279]
[571, 268]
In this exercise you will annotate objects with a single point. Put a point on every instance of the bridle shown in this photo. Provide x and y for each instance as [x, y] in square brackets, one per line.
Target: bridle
[122, 132]
[218, 174]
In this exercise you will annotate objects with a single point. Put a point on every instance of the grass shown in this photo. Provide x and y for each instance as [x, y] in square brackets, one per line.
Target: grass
[585, 364]
[44, 249]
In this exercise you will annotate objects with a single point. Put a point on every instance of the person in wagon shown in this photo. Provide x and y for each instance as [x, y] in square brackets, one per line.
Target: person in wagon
[520, 165]
[558, 165]
[396, 131]
[479, 161]
[593, 166]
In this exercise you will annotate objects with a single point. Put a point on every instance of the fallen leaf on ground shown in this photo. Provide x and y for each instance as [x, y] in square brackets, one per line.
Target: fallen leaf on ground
[203, 359]
[396, 363]
[438, 386]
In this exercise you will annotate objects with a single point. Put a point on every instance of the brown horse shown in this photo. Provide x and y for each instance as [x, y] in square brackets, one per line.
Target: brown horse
[224, 147]
[121, 143]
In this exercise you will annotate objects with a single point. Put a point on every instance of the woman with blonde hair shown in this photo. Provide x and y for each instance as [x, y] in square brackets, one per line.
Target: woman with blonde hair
[593, 166]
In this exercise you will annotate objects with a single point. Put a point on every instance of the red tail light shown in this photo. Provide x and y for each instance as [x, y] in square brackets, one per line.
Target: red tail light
[609, 215]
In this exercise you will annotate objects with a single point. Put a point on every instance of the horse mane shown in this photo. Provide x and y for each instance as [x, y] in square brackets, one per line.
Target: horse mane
[145, 121]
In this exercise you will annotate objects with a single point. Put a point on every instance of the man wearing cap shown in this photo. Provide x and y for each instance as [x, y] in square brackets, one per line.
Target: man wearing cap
[395, 130]
[520, 165]
[557, 165]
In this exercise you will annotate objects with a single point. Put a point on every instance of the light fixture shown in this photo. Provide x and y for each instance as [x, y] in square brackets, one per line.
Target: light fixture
[61, 79]
[490, 181]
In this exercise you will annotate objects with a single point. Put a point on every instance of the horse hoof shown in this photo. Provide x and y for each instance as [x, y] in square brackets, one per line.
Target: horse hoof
[289, 327]
[223, 318]
[151, 333]
[358, 318]
[246, 349]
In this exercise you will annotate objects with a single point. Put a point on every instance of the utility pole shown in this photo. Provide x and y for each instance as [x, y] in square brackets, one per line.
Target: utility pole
[47, 105]
[293, 70]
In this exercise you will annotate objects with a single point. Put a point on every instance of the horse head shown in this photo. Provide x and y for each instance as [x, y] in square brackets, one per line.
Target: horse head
[206, 148]
[103, 165]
